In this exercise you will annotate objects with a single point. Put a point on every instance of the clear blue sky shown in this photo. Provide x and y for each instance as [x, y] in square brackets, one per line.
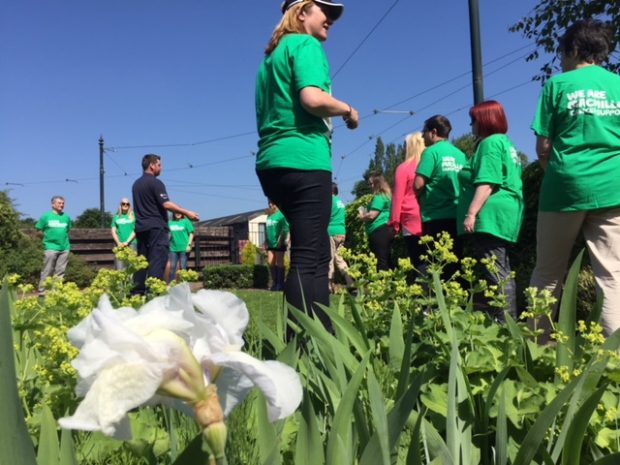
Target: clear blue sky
[177, 78]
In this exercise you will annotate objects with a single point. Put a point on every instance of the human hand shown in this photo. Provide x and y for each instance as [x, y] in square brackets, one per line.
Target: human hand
[352, 120]
[192, 215]
[470, 223]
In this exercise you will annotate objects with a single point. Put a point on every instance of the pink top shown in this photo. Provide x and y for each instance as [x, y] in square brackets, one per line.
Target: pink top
[405, 206]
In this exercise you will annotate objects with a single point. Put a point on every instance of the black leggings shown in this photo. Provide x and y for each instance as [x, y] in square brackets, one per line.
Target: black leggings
[380, 241]
[305, 199]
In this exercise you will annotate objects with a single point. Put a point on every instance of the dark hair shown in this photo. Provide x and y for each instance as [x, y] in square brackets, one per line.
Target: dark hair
[589, 40]
[148, 160]
[439, 123]
[491, 118]
[334, 188]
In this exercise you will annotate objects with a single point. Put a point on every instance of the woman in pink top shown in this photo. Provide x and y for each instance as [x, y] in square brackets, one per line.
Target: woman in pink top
[405, 214]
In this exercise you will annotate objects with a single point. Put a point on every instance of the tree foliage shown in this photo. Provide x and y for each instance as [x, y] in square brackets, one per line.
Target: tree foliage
[548, 20]
[385, 162]
[91, 218]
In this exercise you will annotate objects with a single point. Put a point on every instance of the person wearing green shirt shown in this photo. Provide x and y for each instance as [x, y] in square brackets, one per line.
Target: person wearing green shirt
[337, 234]
[181, 239]
[123, 229]
[577, 126]
[294, 106]
[376, 217]
[490, 207]
[436, 184]
[276, 239]
[54, 227]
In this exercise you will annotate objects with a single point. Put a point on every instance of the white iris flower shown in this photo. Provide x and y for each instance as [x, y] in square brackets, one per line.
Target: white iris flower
[176, 346]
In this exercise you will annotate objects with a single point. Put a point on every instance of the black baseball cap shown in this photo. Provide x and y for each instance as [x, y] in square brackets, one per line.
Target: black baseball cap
[333, 10]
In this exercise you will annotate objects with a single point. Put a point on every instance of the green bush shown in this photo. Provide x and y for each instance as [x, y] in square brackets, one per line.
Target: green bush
[236, 276]
[79, 271]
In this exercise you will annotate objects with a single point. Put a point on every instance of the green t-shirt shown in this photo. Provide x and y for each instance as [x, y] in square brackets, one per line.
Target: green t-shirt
[382, 203]
[179, 234]
[579, 111]
[276, 230]
[337, 221]
[55, 229]
[290, 137]
[495, 162]
[440, 165]
[125, 226]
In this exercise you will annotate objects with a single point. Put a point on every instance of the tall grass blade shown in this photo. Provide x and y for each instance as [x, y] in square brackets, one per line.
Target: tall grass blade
[344, 326]
[501, 432]
[397, 340]
[267, 437]
[453, 436]
[414, 457]
[571, 455]
[309, 446]
[193, 453]
[611, 459]
[405, 367]
[568, 315]
[379, 418]
[49, 449]
[67, 448]
[339, 446]
[16, 446]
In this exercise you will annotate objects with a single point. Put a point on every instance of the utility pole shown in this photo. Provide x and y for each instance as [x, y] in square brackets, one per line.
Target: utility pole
[101, 191]
[476, 51]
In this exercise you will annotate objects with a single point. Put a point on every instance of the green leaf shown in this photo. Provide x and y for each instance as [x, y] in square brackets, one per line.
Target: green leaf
[536, 434]
[309, 446]
[67, 448]
[612, 459]
[571, 455]
[379, 418]
[413, 454]
[397, 342]
[405, 367]
[267, 438]
[344, 326]
[339, 447]
[49, 449]
[568, 314]
[16, 446]
[501, 432]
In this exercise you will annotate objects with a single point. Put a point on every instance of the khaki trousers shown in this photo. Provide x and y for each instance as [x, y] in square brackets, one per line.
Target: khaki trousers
[556, 234]
[337, 261]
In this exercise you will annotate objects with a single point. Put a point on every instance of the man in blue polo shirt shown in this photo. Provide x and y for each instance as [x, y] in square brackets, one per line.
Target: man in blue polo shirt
[151, 206]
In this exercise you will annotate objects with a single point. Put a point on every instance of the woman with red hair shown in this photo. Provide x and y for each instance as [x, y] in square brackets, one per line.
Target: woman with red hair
[490, 208]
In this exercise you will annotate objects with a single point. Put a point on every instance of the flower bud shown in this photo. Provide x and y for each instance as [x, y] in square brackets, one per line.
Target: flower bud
[214, 436]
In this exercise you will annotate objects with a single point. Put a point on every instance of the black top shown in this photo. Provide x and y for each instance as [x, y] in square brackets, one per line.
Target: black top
[149, 196]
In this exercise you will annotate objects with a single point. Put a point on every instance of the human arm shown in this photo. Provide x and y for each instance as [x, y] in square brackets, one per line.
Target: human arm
[543, 150]
[190, 242]
[319, 103]
[481, 195]
[419, 184]
[115, 237]
[173, 207]
[400, 184]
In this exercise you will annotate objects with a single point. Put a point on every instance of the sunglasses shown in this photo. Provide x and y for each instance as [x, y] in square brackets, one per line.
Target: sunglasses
[124, 203]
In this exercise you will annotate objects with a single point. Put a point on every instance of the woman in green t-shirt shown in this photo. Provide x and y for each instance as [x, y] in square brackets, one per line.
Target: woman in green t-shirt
[181, 241]
[294, 107]
[123, 226]
[276, 239]
[577, 126]
[376, 217]
[490, 207]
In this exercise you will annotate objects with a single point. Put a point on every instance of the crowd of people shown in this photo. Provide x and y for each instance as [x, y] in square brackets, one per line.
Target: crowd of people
[477, 201]
[437, 189]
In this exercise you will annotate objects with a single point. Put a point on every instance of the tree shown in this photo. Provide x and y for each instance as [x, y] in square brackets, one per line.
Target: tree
[550, 18]
[385, 162]
[91, 218]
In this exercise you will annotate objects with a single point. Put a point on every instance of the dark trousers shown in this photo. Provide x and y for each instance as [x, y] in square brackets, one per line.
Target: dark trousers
[481, 246]
[380, 241]
[414, 250]
[154, 244]
[434, 227]
[305, 199]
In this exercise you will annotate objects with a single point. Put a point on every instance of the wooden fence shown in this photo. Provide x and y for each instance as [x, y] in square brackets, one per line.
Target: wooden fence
[212, 245]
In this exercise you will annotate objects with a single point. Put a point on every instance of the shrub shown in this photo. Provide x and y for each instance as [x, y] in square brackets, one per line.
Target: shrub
[236, 276]
[79, 271]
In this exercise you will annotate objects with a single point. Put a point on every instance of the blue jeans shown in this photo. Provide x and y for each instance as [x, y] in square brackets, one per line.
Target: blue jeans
[305, 199]
[175, 258]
